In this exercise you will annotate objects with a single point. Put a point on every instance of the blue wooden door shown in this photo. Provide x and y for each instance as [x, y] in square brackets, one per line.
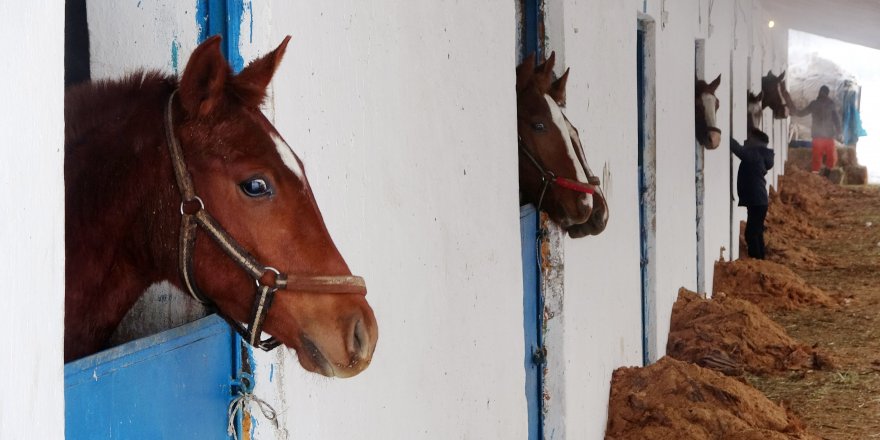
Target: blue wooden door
[644, 222]
[532, 305]
[531, 31]
[173, 385]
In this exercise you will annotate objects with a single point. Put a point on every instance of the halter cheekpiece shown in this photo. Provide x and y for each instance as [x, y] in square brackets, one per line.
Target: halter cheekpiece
[268, 280]
[548, 177]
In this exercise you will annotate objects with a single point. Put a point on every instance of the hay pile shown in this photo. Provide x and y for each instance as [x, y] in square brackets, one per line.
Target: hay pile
[785, 227]
[672, 399]
[808, 192]
[799, 203]
[770, 286]
[732, 336]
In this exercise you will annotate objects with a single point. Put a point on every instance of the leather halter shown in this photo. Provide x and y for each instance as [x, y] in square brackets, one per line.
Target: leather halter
[548, 177]
[194, 215]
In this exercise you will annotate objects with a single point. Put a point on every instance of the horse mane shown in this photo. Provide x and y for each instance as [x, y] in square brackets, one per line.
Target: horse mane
[112, 131]
[90, 105]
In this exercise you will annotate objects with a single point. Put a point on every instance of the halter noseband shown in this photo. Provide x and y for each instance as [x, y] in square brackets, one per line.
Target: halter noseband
[194, 215]
[550, 178]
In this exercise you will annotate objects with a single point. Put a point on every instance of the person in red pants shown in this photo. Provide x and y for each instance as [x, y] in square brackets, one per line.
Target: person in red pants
[825, 128]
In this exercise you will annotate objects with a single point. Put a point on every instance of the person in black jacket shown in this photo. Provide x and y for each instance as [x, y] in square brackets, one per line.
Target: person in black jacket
[751, 186]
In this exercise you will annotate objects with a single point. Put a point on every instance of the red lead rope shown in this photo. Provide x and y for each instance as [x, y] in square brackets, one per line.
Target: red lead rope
[574, 185]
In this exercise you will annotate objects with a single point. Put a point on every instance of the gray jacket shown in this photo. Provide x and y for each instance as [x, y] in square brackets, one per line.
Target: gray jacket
[826, 122]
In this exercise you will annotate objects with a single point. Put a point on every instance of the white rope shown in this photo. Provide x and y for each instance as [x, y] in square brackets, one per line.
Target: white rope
[241, 403]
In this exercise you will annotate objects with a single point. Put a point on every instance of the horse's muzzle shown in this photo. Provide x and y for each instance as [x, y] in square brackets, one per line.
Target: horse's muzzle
[714, 138]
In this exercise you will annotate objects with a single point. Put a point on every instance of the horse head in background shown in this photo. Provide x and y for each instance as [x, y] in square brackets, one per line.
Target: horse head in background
[706, 106]
[775, 94]
[187, 181]
[754, 109]
[553, 170]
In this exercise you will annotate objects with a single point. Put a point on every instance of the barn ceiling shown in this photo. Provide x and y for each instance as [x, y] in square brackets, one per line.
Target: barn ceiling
[853, 21]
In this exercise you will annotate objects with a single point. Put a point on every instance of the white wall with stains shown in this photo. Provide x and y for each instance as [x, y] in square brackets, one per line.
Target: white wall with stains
[602, 305]
[125, 36]
[32, 219]
[405, 116]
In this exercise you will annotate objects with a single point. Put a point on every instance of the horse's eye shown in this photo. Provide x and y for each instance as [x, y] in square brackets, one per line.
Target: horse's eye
[539, 127]
[255, 187]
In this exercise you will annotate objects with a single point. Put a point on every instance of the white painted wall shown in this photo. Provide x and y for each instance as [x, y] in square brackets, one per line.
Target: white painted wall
[676, 205]
[404, 114]
[32, 223]
[602, 299]
[150, 34]
[717, 27]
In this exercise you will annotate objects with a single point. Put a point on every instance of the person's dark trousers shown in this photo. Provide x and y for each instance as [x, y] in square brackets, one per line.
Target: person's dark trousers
[755, 230]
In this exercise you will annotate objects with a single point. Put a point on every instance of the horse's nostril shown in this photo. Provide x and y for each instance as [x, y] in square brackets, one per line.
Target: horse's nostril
[358, 340]
[358, 336]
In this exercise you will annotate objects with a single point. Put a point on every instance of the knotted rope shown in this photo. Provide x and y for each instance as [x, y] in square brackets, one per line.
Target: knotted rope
[242, 402]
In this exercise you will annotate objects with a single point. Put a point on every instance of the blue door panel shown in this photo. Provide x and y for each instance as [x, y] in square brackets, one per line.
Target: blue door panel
[173, 385]
[641, 87]
[528, 219]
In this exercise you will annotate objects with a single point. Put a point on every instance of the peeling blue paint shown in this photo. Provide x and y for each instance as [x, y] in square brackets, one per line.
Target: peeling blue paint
[223, 17]
[249, 350]
[202, 19]
[175, 47]
[271, 372]
[234, 11]
[250, 8]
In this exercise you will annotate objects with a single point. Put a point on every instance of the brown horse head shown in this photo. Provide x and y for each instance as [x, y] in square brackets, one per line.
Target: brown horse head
[255, 187]
[553, 170]
[774, 94]
[753, 109]
[706, 106]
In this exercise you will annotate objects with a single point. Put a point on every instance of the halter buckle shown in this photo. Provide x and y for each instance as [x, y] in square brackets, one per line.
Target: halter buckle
[189, 202]
[277, 281]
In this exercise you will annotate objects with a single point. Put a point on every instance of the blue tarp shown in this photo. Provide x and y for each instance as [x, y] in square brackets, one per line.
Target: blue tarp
[852, 121]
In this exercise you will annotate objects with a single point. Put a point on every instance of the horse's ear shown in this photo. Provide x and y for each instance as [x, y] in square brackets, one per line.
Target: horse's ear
[547, 66]
[251, 83]
[525, 71]
[781, 76]
[714, 84]
[544, 73]
[760, 96]
[557, 89]
[203, 82]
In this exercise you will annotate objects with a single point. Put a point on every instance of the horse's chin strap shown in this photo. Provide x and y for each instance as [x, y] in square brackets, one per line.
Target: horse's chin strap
[194, 215]
[550, 178]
